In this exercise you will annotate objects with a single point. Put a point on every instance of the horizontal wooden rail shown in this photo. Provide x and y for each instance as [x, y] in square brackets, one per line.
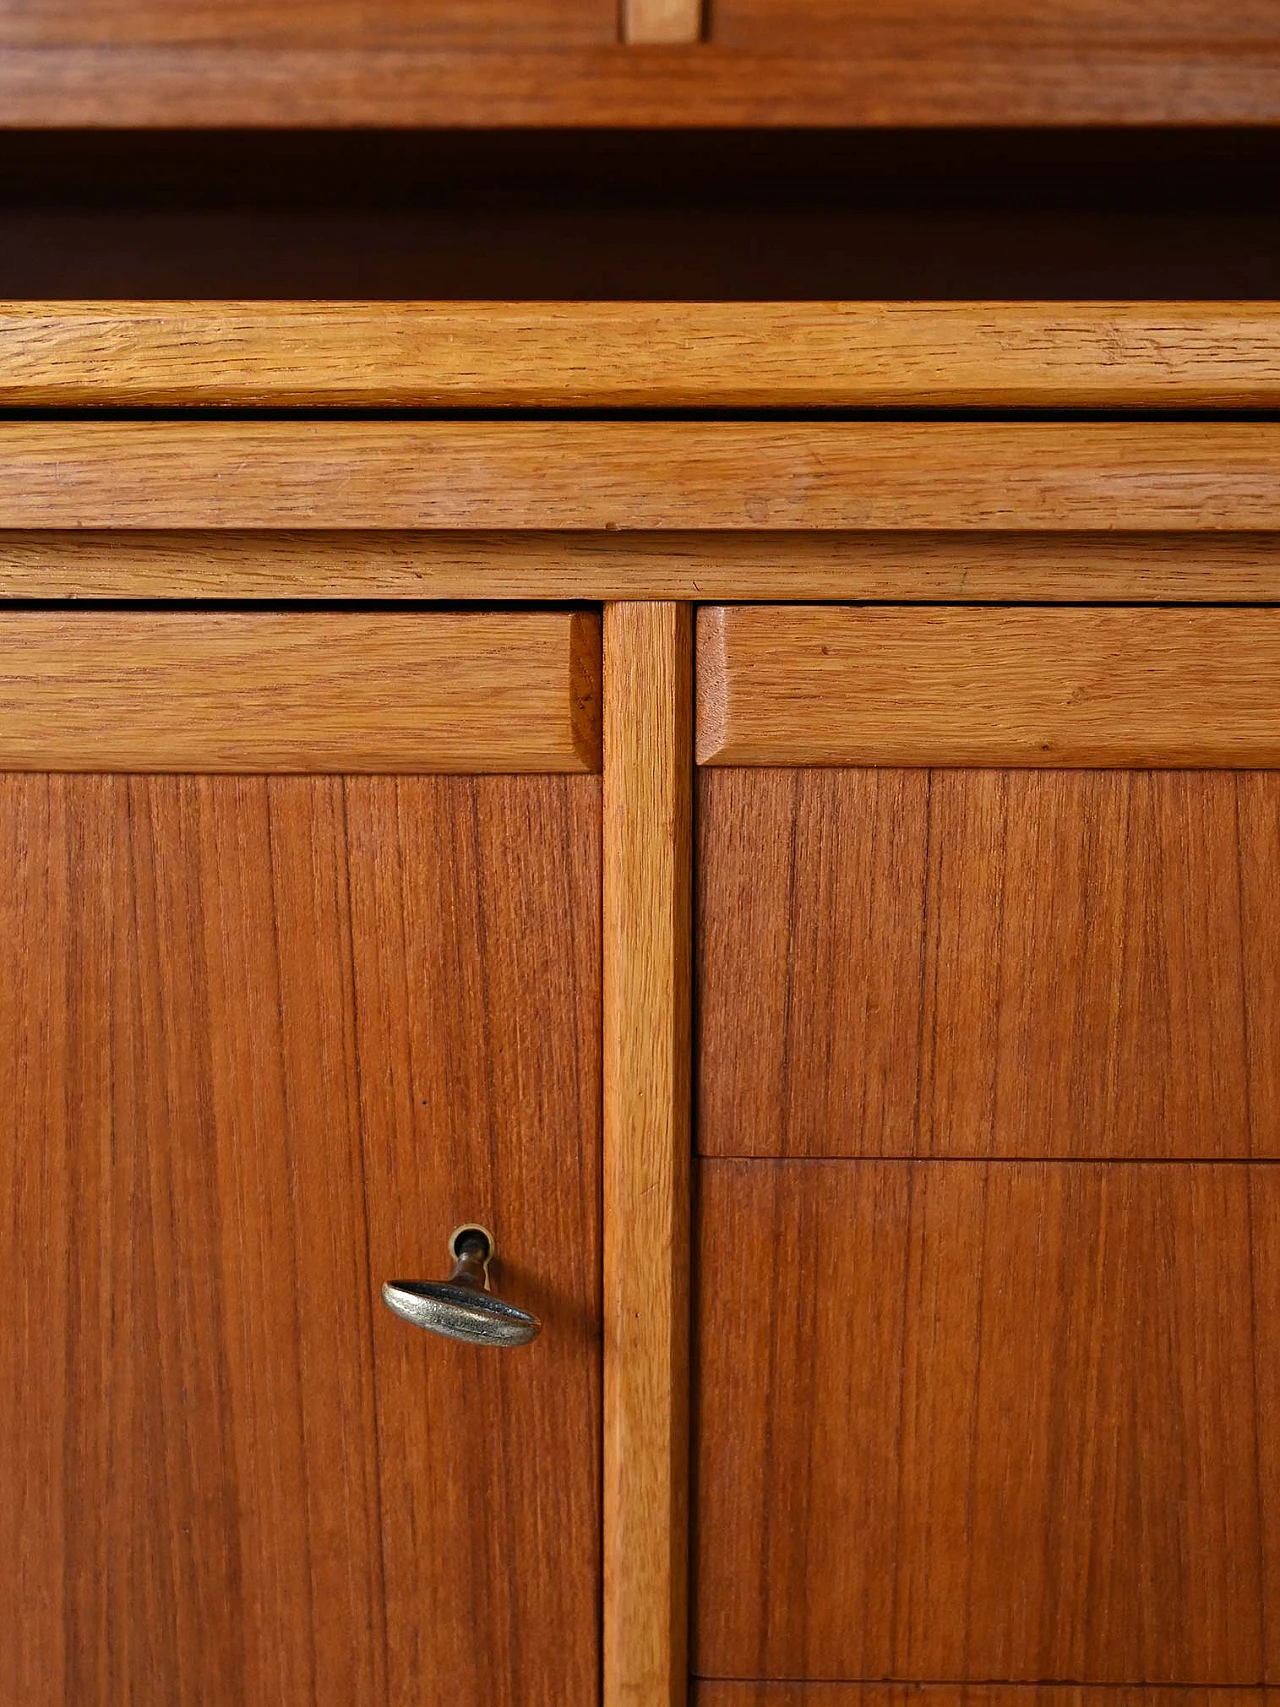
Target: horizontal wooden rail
[641, 354]
[951, 685]
[916, 76]
[299, 692]
[764, 1694]
[1210, 568]
[748, 476]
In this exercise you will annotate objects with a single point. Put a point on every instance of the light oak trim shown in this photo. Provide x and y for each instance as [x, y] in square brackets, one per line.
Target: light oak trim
[225, 564]
[735, 476]
[641, 354]
[661, 21]
[302, 692]
[952, 685]
[648, 777]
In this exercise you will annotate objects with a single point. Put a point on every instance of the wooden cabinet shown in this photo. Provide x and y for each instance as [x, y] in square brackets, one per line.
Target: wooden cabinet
[798, 868]
[978, 1403]
[269, 1038]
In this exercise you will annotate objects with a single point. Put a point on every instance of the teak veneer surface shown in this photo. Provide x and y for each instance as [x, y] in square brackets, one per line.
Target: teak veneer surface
[299, 691]
[988, 1421]
[830, 26]
[633, 354]
[268, 1042]
[225, 564]
[354, 24]
[989, 963]
[742, 1694]
[647, 475]
[918, 75]
[956, 685]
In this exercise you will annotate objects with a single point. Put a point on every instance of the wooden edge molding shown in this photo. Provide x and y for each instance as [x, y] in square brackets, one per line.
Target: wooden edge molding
[750, 1694]
[647, 785]
[1210, 567]
[640, 354]
[300, 692]
[954, 685]
[735, 476]
[1157, 78]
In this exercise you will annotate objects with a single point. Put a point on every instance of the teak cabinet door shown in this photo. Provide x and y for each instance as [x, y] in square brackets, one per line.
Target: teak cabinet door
[988, 1260]
[267, 1040]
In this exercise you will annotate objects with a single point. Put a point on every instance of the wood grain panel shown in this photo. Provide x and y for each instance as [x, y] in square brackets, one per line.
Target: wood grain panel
[488, 355]
[897, 78]
[1166, 476]
[385, 24]
[1178, 568]
[1003, 1421]
[299, 692]
[720, 1694]
[953, 685]
[830, 26]
[982, 963]
[269, 1041]
[648, 787]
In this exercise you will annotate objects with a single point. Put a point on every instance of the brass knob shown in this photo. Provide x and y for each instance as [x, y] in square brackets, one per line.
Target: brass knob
[462, 1307]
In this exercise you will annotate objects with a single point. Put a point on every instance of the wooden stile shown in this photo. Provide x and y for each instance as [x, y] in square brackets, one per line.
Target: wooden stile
[647, 972]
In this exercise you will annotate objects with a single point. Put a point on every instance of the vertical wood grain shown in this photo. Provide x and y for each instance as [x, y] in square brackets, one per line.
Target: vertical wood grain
[267, 1041]
[1003, 963]
[647, 881]
[989, 1421]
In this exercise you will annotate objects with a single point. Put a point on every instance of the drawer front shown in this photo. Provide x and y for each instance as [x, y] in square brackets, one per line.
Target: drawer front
[268, 1040]
[992, 1421]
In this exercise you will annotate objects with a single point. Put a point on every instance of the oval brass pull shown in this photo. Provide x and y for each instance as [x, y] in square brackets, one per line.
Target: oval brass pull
[462, 1307]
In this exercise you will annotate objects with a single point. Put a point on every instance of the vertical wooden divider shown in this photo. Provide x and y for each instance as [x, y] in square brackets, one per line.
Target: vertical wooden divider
[648, 793]
[666, 22]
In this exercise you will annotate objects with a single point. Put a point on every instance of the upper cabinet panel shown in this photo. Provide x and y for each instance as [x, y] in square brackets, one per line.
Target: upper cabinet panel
[837, 26]
[759, 64]
[301, 23]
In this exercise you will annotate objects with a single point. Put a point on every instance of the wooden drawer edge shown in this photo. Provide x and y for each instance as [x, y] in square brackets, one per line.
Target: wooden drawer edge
[300, 691]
